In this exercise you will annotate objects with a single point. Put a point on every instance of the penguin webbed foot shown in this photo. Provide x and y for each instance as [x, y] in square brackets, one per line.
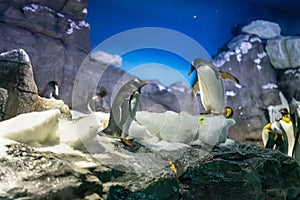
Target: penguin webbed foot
[127, 142]
[207, 112]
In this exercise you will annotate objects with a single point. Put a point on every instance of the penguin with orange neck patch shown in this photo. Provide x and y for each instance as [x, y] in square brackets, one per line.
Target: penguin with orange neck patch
[287, 126]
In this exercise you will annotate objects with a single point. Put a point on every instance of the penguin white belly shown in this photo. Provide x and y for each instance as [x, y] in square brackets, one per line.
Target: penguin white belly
[288, 127]
[211, 90]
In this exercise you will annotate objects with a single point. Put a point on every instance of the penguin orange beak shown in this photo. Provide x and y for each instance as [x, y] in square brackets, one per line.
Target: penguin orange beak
[191, 70]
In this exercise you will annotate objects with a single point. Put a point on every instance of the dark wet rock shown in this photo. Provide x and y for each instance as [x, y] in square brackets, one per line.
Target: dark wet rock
[44, 175]
[3, 100]
[53, 33]
[288, 82]
[238, 171]
[263, 29]
[284, 52]
[247, 60]
[242, 171]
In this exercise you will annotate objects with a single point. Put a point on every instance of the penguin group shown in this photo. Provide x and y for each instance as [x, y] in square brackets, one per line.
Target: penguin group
[280, 134]
[209, 82]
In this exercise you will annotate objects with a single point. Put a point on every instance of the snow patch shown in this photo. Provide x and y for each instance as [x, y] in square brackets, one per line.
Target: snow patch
[73, 25]
[106, 59]
[161, 87]
[258, 67]
[180, 89]
[257, 60]
[60, 15]
[261, 55]
[237, 46]
[231, 93]
[34, 7]
[85, 11]
[269, 86]
[255, 39]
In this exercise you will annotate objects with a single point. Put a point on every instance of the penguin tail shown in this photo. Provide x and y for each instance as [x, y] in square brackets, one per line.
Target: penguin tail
[228, 112]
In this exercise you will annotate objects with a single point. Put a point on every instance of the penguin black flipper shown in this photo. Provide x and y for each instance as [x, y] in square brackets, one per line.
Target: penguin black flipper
[271, 142]
[284, 147]
[195, 89]
[226, 75]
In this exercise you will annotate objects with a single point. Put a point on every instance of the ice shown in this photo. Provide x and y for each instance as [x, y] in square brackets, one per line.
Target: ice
[180, 127]
[35, 128]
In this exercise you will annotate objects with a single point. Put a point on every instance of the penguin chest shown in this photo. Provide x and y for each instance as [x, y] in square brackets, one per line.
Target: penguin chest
[211, 90]
[288, 128]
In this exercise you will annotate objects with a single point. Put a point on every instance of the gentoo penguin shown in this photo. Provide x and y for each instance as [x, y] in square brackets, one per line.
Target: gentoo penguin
[210, 85]
[123, 109]
[274, 136]
[51, 90]
[288, 127]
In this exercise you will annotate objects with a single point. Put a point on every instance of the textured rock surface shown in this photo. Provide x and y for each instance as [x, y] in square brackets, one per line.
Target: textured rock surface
[21, 94]
[53, 33]
[284, 52]
[247, 60]
[232, 172]
[263, 29]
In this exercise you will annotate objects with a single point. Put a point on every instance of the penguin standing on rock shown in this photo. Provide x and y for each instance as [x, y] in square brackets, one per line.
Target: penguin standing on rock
[288, 127]
[51, 90]
[211, 86]
[124, 109]
[274, 136]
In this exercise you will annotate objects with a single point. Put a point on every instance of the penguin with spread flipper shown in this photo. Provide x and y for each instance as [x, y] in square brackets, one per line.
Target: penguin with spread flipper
[210, 83]
[124, 109]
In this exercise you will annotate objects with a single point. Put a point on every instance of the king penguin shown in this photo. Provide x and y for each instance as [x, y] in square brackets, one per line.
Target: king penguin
[274, 136]
[288, 127]
[211, 86]
[124, 109]
[51, 90]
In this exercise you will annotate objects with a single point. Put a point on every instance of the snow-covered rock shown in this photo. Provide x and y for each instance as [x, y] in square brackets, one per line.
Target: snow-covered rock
[106, 59]
[257, 90]
[36, 128]
[284, 52]
[263, 29]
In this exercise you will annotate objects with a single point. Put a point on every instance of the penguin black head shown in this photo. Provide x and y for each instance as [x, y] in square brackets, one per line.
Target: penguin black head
[51, 90]
[284, 111]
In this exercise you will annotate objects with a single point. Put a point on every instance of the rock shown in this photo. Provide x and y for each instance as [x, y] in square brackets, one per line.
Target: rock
[44, 175]
[53, 33]
[3, 100]
[22, 94]
[260, 173]
[263, 29]
[247, 60]
[106, 59]
[283, 52]
[162, 171]
[287, 80]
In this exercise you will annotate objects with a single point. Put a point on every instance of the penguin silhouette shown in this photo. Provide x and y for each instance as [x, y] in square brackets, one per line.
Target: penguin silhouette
[124, 109]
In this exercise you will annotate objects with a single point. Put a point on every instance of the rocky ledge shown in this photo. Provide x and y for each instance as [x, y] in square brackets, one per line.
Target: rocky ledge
[235, 171]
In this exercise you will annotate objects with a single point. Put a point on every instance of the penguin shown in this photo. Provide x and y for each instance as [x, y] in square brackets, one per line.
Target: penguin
[274, 136]
[124, 109]
[288, 127]
[211, 86]
[51, 90]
